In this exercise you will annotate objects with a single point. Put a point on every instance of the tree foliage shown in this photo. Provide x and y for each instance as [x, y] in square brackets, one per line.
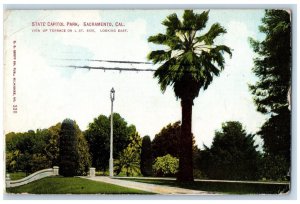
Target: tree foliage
[273, 62]
[167, 141]
[26, 151]
[189, 63]
[146, 156]
[52, 146]
[129, 159]
[98, 137]
[233, 154]
[275, 167]
[166, 166]
[190, 60]
[68, 149]
[276, 134]
[74, 158]
[272, 66]
[84, 159]
[35, 150]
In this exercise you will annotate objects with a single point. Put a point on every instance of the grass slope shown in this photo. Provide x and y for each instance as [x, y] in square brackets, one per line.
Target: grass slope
[64, 185]
[222, 187]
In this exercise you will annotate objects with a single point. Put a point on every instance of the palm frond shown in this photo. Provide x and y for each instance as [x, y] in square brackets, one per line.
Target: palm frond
[188, 20]
[172, 23]
[213, 69]
[208, 79]
[201, 20]
[223, 49]
[158, 39]
[173, 42]
[159, 56]
[215, 57]
[215, 30]
[217, 52]
[166, 73]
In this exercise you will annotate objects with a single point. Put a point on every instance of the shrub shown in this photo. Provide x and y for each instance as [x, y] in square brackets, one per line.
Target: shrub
[166, 166]
[275, 167]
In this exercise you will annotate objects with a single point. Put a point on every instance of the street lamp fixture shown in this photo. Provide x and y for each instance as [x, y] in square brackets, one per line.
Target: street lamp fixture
[111, 160]
[112, 94]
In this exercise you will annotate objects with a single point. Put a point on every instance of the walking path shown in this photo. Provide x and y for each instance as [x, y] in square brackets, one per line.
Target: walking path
[159, 189]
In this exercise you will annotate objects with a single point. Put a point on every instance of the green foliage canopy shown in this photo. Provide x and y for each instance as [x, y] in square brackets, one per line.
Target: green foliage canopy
[146, 156]
[98, 138]
[272, 66]
[233, 154]
[190, 60]
[167, 141]
[273, 62]
[68, 149]
[74, 158]
[27, 151]
[129, 159]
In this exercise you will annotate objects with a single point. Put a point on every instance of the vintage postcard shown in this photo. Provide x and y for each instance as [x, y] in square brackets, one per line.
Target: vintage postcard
[184, 102]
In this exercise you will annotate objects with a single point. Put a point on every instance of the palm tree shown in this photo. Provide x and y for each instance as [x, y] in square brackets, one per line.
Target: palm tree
[129, 162]
[129, 159]
[188, 64]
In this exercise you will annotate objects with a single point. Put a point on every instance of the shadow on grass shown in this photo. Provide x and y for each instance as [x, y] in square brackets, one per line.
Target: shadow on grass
[222, 187]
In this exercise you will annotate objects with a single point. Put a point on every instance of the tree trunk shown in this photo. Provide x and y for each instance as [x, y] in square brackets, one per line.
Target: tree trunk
[185, 172]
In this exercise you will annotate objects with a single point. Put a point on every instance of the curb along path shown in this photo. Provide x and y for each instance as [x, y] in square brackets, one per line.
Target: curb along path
[159, 189]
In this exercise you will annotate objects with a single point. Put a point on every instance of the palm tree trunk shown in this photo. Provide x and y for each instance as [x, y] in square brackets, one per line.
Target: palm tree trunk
[185, 172]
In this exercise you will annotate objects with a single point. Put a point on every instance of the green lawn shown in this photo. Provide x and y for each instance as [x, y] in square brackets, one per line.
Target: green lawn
[17, 175]
[221, 187]
[73, 185]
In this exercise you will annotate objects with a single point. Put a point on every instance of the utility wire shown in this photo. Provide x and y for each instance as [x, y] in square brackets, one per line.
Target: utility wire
[111, 68]
[122, 69]
[114, 68]
[111, 61]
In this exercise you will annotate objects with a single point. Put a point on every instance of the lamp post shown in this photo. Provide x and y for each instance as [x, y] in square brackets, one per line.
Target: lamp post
[111, 160]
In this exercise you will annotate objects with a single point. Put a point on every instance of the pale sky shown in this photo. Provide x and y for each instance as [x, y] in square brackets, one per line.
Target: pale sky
[47, 93]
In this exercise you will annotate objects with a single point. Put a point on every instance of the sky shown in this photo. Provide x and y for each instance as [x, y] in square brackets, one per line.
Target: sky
[47, 92]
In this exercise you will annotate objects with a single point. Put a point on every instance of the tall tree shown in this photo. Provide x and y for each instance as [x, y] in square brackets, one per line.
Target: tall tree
[98, 138]
[52, 146]
[233, 154]
[68, 152]
[272, 66]
[188, 64]
[167, 141]
[84, 157]
[146, 156]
